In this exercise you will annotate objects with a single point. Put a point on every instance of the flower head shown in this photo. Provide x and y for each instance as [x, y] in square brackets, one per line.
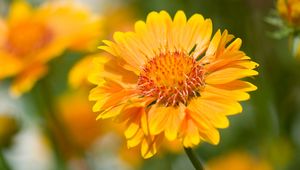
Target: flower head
[29, 38]
[290, 11]
[169, 79]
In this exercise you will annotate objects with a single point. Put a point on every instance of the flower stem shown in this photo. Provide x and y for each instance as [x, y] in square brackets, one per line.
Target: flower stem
[63, 143]
[3, 162]
[194, 158]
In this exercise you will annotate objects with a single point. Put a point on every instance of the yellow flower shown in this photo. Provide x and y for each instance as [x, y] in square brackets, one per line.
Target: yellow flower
[290, 11]
[77, 75]
[118, 19]
[169, 79]
[29, 38]
[79, 120]
[238, 160]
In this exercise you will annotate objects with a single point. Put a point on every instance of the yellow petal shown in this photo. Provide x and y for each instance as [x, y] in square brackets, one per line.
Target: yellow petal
[228, 74]
[128, 50]
[109, 47]
[19, 10]
[147, 42]
[168, 25]
[218, 104]
[9, 65]
[174, 120]
[77, 75]
[131, 130]
[212, 136]
[203, 39]
[191, 135]
[237, 94]
[235, 45]
[178, 30]
[192, 31]
[207, 117]
[26, 80]
[214, 44]
[135, 140]
[157, 28]
[157, 118]
[225, 60]
[144, 122]
[111, 112]
[149, 146]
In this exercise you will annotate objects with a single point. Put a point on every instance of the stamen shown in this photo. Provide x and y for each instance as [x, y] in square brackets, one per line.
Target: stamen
[171, 78]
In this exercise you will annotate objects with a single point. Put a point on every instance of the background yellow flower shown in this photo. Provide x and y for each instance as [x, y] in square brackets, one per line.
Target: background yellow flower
[238, 160]
[290, 11]
[31, 37]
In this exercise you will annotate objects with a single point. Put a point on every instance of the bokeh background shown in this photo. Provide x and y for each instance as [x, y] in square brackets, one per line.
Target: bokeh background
[266, 136]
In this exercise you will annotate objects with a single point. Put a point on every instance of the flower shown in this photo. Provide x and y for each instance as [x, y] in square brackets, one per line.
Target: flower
[238, 160]
[32, 37]
[290, 11]
[77, 75]
[79, 120]
[119, 18]
[169, 79]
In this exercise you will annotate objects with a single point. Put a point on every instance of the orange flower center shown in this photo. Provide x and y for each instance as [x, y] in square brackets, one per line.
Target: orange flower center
[27, 37]
[171, 78]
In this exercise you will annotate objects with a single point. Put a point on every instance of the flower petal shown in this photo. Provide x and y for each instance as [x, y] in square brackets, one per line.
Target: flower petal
[228, 74]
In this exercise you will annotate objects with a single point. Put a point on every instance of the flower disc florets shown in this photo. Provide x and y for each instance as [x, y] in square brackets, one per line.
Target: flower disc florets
[171, 78]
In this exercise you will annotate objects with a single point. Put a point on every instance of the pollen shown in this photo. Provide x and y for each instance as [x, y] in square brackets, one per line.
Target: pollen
[171, 78]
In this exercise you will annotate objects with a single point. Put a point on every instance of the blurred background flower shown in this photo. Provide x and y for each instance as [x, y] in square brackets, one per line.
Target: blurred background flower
[238, 160]
[290, 11]
[31, 37]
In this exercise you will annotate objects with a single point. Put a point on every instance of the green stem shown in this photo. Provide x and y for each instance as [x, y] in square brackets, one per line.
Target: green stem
[3, 162]
[193, 158]
[55, 125]
[48, 122]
